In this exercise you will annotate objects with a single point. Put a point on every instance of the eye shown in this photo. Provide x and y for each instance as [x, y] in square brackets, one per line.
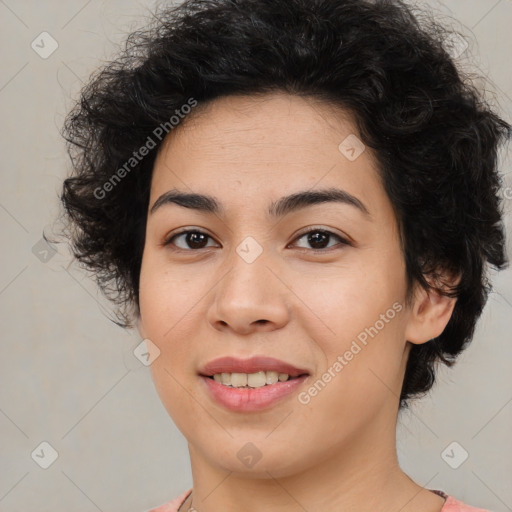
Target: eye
[319, 238]
[193, 239]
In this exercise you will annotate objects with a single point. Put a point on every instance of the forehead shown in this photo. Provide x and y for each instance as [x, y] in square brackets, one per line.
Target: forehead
[263, 146]
[273, 120]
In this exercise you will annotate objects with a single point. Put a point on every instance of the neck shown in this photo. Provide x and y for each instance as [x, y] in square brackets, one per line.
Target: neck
[362, 475]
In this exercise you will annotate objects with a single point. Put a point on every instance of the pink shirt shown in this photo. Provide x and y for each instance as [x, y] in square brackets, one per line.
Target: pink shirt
[450, 505]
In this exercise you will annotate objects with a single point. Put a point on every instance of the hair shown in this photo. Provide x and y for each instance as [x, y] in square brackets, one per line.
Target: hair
[434, 135]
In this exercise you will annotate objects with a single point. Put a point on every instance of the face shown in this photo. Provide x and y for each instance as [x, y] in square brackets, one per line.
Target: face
[318, 285]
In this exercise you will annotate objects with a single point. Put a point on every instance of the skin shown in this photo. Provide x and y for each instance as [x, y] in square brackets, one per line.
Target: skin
[338, 451]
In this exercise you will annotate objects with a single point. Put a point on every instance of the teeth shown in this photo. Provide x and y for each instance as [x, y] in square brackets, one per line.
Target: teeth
[272, 377]
[255, 380]
[238, 380]
[251, 380]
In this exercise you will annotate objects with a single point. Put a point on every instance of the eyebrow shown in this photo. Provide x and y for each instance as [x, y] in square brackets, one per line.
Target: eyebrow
[280, 208]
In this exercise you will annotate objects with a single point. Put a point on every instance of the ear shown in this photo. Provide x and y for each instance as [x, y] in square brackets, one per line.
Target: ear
[430, 313]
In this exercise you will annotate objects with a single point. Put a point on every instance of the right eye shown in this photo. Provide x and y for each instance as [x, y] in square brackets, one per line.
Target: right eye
[193, 239]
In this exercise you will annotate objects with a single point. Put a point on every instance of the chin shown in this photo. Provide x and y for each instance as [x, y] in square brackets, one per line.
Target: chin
[246, 459]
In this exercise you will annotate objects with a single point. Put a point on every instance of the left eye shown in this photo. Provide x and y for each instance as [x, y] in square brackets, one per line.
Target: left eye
[194, 239]
[320, 238]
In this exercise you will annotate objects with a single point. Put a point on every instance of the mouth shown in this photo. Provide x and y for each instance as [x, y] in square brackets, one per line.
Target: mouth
[254, 372]
[251, 380]
[251, 384]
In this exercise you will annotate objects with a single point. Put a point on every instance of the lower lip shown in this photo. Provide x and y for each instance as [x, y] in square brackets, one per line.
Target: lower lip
[251, 399]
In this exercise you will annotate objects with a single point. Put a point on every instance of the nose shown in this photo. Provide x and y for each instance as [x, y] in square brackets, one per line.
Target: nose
[249, 298]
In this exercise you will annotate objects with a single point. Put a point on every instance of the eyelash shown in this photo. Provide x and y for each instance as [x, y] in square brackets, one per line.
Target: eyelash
[343, 241]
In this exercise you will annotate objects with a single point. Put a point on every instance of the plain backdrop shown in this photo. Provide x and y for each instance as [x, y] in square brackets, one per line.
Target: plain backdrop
[68, 375]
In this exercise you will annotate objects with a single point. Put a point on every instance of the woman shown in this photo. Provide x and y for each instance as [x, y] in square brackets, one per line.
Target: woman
[296, 203]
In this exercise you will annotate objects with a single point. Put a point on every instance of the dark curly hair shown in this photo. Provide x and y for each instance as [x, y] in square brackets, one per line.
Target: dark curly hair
[434, 135]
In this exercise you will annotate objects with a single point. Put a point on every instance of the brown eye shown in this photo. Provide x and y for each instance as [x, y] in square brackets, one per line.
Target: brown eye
[319, 239]
[192, 240]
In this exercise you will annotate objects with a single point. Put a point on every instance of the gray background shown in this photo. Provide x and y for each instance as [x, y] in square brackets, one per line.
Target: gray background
[68, 375]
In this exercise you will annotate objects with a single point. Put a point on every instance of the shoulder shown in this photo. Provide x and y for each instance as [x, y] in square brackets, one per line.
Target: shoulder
[173, 505]
[453, 505]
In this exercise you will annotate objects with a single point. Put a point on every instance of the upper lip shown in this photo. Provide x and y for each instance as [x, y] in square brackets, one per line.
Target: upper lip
[251, 365]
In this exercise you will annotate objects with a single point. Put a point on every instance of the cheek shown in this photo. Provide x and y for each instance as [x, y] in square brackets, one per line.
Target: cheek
[164, 299]
[163, 321]
[361, 332]
[361, 298]
[358, 381]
